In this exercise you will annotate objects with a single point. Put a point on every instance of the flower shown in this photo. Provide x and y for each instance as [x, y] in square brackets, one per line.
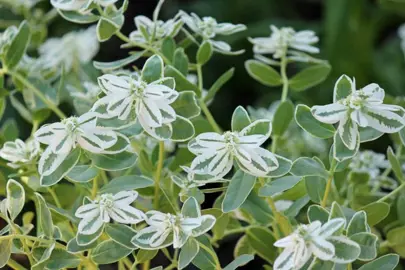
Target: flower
[81, 6]
[364, 108]
[166, 229]
[216, 152]
[129, 98]
[19, 153]
[73, 48]
[208, 28]
[370, 162]
[193, 179]
[66, 135]
[310, 240]
[283, 39]
[106, 207]
[149, 32]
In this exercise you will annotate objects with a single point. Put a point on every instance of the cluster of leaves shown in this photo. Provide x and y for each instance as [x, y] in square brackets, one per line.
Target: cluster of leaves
[144, 150]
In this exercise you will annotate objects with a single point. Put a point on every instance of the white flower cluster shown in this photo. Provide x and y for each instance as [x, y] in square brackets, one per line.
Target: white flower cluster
[20, 153]
[70, 50]
[285, 40]
[216, 152]
[313, 240]
[369, 162]
[359, 108]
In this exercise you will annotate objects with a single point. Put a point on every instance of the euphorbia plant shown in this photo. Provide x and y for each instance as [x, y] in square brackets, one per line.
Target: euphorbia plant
[125, 176]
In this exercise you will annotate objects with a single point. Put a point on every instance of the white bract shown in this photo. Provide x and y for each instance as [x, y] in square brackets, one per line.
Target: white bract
[81, 6]
[208, 28]
[310, 240]
[353, 108]
[150, 32]
[129, 98]
[216, 152]
[19, 153]
[167, 229]
[66, 135]
[284, 40]
[106, 207]
[72, 49]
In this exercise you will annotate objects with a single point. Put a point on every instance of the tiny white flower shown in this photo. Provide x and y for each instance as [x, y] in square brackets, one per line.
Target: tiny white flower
[106, 207]
[129, 99]
[149, 143]
[81, 6]
[208, 28]
[307, 241]
[284, 39]
[151, 33]
[216, 152]
[369, 162]
[73, 48]
[66, 135]
[353, 108]
[167, 229]
[19, 153]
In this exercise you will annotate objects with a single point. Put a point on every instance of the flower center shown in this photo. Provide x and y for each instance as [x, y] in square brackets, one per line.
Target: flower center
[106, 201]
[174, 220]
[231, 140]
[207, 25]
[71, 124]
[138, 88]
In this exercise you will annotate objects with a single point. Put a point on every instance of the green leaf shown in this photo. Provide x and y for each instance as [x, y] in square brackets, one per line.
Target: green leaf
[113, 162]
[309, 77]
[316, 212]
[282, 117]
[284, 166]
[183, 129]
[59, 259]
[263, 73]
[395, 165]
[305, 166]
[3, 104]
[358, 223]
[180, 61]
[144, 255]
[74, 247]
[239, 261]
[368, 134]
[336, 211]
[63, 169]
[107, 27]
[400, 207]
[218, 84]
[182, 83]
[188, 252]
[262, 240]
[316, 187]
[45, 218]
[18, 46]
[204, 260]
[307, 122]
[186, 105]
[396, 240]
[85, 240]
[258, 208]
[368, 245]
[279, 185]
[153, 69]
[340, 151]
[238, 190]
[108, 252]
[121, 234]
[77, 17]
[204, 53]
[168, 48]
[240, 119]
[243, 247]
[376, 212]
[15, 198]
[386, 262]
[296, 207]
[126, 182]
[82, 173]
[5, 252]
[46, 254]
[118, 63]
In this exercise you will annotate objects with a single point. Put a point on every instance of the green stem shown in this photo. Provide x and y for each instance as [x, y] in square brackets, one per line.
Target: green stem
[284, 78]
[394, 192]
[274, 144]
[15, 265]
[95, 187]
[38, 93]
[146, 265]
[329, 183]
[209, 117]
[123, 37]
[50, 15]
[55, 197]
[213, 190]
[213, 255]
[200, 79]
[159, 173]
